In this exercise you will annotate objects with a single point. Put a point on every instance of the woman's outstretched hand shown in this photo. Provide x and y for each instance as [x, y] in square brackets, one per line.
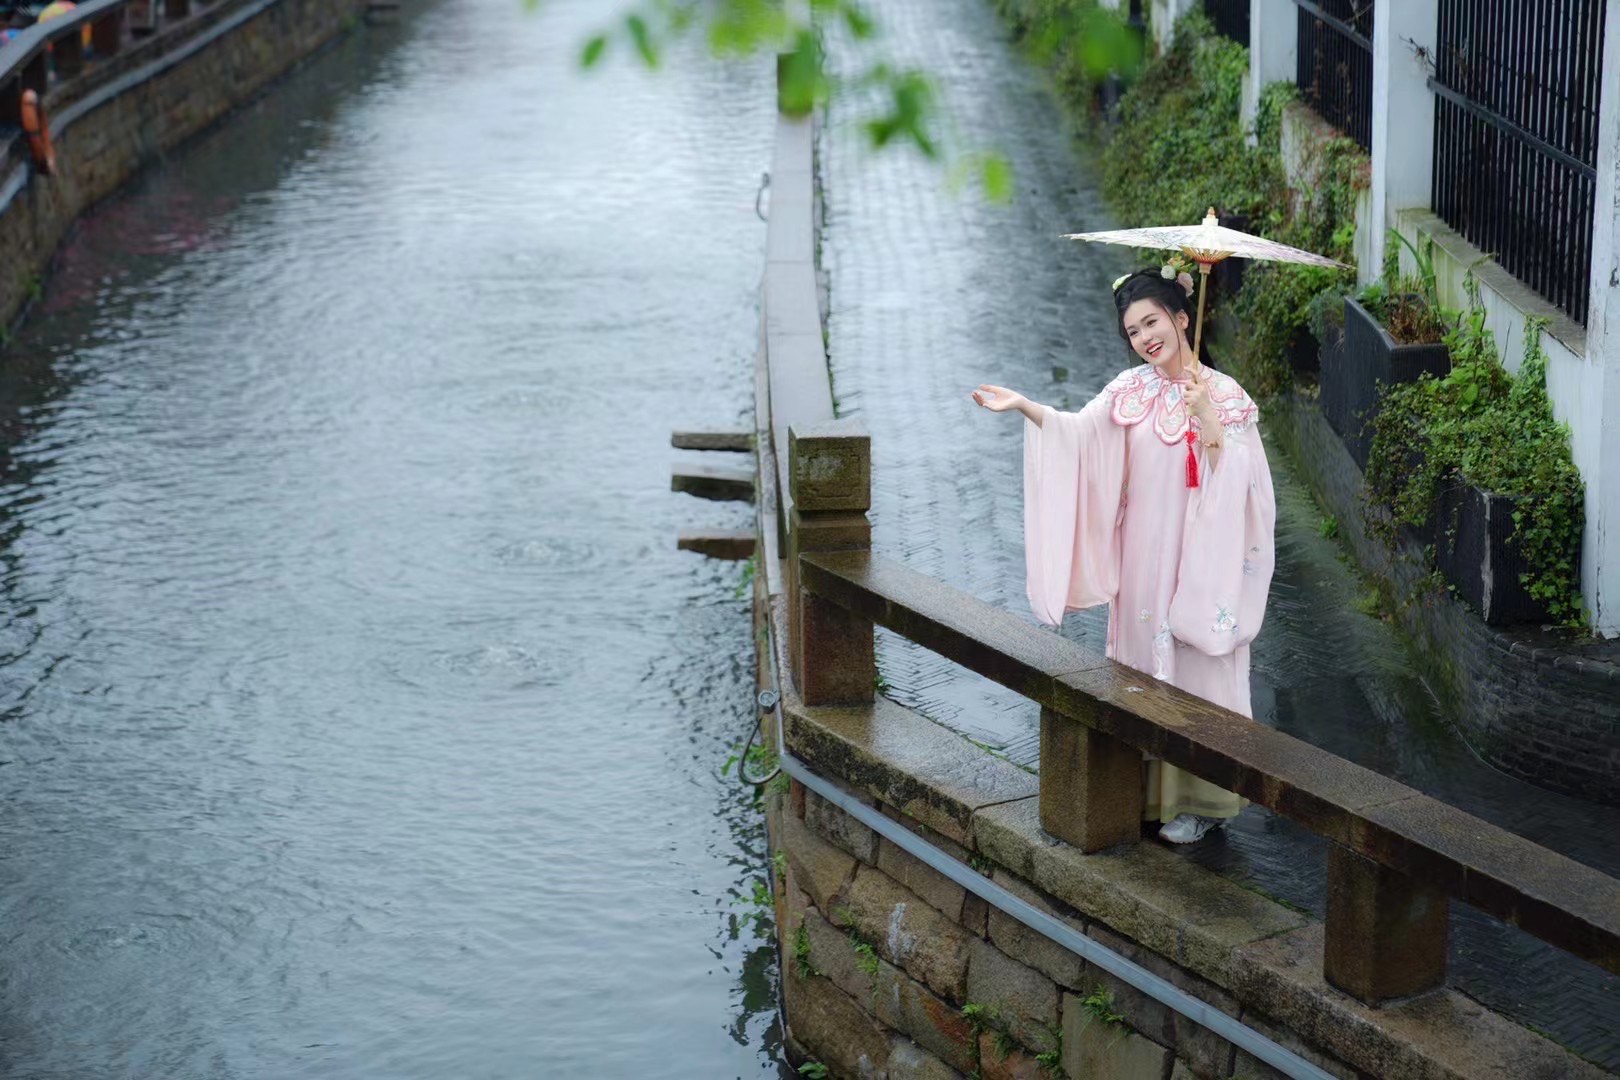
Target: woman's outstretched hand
[997, 398]
[1000, 399]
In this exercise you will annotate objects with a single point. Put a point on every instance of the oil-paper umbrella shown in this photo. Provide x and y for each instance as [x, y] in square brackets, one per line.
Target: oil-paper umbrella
[1206, 244]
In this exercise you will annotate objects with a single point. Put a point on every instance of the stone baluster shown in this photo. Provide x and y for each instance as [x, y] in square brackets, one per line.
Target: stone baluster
[830, 480]
[107, 33]
[1091, 784]
[1386, 931]
[36, 76]
[68, 54]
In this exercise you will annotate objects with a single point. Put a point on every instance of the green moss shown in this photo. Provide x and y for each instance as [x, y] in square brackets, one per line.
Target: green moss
[802, 964]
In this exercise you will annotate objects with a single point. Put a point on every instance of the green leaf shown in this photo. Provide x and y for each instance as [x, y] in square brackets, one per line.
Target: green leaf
[642, 38]
[591, 54]
[996, 174]
[860, 24]
[803, 86]
[1107, 45]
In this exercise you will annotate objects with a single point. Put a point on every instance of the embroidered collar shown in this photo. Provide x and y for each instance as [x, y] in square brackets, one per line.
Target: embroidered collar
[1142, 392]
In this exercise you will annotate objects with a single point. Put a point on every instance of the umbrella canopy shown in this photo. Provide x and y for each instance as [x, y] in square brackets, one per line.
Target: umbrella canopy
[1207, 243]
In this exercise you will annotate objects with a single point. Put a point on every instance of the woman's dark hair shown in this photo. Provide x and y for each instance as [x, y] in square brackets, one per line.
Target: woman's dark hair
[1149, 284]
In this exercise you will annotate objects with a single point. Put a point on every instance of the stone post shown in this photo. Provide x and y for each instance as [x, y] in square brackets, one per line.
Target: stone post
[1091, 785]
[1273, 52]
[1386, 932]
[68, 53]
[830, 478]
[107, 33]
[1600, 556]
[36, 76]
[1402, 118]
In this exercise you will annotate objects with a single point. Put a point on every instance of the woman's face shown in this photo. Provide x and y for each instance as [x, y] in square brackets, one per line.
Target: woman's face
[1154, 333]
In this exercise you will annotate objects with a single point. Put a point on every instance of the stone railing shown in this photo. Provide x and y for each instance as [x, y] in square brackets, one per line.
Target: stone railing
[71, 45]
[120, 82]
[1397, 857]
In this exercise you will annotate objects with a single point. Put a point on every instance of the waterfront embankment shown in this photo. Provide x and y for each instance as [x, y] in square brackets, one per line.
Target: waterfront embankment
[931, 292]
[140, 90]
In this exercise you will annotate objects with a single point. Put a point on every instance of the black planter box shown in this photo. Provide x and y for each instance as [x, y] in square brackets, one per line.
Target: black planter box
[1472, 548]
[1368, 357]
[1227, 276]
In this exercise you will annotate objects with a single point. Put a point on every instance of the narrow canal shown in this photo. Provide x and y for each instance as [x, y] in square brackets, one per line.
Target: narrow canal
[933, 292]
[357, 716]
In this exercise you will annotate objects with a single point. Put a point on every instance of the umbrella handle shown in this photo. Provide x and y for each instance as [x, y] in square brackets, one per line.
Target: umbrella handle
[1198, 334]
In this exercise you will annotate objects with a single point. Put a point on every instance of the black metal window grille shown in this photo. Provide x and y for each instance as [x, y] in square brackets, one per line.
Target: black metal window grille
[1334, 72]
[1516, 134]
[1231, 19]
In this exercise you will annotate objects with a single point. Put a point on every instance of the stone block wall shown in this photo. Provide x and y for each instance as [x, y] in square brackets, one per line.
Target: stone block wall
[156, 96]
[892, 970]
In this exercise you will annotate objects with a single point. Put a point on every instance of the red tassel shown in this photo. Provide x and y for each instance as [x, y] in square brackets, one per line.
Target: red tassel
[1192, 460]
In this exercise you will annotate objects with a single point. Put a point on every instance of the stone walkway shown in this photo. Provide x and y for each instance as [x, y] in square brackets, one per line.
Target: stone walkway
[933, 292]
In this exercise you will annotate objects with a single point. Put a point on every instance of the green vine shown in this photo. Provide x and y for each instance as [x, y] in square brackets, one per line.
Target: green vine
[1279, 302]
[1481, 425]
[1181, 147]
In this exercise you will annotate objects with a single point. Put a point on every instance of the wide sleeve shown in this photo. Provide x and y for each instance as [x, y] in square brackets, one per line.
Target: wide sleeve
[1228, 549]
[1074, 475]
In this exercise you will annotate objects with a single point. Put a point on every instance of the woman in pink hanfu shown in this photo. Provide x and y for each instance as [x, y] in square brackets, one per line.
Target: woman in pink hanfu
[1156, 500]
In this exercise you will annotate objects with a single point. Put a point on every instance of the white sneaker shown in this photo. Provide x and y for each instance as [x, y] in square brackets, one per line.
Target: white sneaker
[1189, 828]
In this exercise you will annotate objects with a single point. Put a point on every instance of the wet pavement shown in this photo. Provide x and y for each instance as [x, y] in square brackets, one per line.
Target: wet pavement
[933, 291]
[358, 717]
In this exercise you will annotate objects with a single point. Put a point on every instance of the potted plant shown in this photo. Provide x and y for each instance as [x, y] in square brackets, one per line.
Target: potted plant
[1478, 461]
[1394, 331]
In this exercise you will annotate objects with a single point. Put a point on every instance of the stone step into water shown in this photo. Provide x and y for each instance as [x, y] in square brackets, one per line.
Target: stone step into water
[712, 440]
[717, 543]
[718, 482]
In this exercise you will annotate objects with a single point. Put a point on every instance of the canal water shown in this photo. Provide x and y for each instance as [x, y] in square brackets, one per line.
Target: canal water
[933, 291]
[357, 716]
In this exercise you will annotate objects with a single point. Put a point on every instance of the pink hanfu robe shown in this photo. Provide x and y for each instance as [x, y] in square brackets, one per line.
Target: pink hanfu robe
[1109, 519]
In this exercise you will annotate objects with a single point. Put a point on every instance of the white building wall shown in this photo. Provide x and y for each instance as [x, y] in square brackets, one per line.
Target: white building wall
[1163, 15]
[1599, 381]
[1273, 51]
[1402, 118]
[1583, 366]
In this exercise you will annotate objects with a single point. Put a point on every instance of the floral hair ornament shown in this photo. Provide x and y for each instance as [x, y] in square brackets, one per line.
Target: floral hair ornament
[1120, 281]
[1170, 271]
